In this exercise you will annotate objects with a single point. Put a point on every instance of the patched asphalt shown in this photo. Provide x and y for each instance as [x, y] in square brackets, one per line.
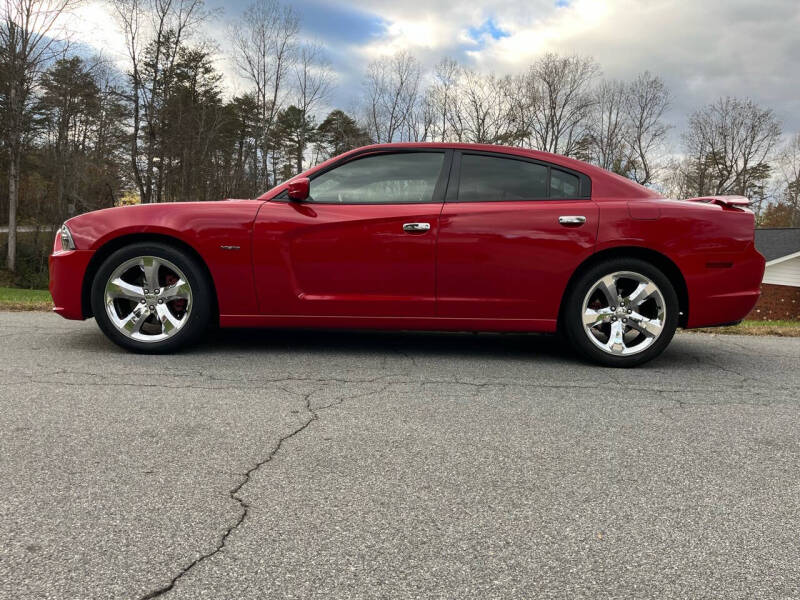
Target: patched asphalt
[305, 464]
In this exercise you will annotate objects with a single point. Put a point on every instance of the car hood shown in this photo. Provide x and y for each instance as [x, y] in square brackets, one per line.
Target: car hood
[183, 220]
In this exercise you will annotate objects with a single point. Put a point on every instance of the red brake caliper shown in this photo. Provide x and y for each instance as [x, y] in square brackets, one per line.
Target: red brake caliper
[179, 304]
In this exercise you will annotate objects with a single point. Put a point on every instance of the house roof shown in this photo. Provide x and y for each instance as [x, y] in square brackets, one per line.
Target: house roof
[778, 242]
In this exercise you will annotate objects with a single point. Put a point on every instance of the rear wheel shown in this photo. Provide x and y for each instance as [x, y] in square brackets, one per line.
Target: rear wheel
[621, 313]
[150, 297]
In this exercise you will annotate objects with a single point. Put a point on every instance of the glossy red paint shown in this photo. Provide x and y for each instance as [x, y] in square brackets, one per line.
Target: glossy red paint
[67, 270]
[298, 189]
[345, 260]
[203, 226]
[723, 200]
[494, 266]
[510, 260]
[692, 235]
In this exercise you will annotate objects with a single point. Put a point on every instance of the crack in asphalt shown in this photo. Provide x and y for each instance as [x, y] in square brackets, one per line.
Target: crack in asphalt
[684, 404]
[104, 381]
[313, 411]
[234, 493]
[244, 506]
[615, 382]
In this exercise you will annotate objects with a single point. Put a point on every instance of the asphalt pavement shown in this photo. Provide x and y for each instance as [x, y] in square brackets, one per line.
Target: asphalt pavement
[281, 464]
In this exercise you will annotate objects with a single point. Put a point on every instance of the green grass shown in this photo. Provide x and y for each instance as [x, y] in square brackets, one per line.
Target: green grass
[779, 328]
[22, 299]
[768, 323]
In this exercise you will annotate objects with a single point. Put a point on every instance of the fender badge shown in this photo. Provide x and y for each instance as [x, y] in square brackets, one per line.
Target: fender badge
[230, 247]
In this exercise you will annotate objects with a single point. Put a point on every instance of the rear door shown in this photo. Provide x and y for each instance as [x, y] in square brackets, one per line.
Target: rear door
[512, 232]
[363, 244]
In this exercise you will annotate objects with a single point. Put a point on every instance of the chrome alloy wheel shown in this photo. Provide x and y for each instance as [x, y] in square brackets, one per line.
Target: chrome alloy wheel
[624, 313]
[148, 298]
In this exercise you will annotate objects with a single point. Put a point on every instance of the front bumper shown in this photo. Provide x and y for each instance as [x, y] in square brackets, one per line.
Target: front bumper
[67, 271]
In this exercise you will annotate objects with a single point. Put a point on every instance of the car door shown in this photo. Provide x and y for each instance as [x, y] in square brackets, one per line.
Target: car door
[511, 233]
[363, 244]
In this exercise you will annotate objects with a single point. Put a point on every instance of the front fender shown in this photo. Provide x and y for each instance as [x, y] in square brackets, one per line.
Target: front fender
[219, 232]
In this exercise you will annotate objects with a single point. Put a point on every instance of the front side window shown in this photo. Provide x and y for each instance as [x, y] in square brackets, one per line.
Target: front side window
[489, 178]
[402, 178]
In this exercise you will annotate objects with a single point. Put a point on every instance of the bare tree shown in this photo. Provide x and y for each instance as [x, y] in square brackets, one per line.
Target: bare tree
[67, 108]
[481, 109]
[391, 94]
[609, 134]
[675, 180]
[554, 102]
[646, 102]
[314, 83]
[440, 97]
[420, 124]
[154, 32]
[730, 143]
[27, 43]
[626, 127]
[789, 169]
[265, 41]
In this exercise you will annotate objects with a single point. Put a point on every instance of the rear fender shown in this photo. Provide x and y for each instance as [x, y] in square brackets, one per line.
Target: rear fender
[711, 243]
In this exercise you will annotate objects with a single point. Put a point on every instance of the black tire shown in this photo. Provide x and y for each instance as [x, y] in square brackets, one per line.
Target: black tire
[572, 315]
[201, 297]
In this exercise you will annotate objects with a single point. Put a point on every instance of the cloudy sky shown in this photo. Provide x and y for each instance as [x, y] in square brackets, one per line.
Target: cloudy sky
[704, 49]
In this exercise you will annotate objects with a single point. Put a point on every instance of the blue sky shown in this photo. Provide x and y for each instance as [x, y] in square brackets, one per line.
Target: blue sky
[703, 50]
[339, 23]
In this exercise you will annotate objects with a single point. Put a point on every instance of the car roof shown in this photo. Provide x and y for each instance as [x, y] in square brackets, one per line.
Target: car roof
[605, 184]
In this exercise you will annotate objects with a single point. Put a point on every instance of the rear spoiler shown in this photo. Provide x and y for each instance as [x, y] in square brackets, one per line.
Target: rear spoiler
[731, 201]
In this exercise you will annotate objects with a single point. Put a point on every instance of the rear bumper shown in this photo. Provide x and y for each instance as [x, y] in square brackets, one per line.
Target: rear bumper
[721, 294]
[67, 270]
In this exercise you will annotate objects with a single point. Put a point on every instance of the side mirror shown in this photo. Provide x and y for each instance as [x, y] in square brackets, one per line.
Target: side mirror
[299, 189]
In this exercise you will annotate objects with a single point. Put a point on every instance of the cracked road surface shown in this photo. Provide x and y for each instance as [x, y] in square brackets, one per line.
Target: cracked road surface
[394, 465]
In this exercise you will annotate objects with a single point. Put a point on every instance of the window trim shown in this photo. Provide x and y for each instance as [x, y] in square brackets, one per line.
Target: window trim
[439, 188]
[584, 182]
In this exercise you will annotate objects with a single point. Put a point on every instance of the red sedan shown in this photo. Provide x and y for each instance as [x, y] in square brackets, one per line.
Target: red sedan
[419, 236]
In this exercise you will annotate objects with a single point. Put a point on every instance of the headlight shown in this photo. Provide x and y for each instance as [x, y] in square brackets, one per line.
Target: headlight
[66, 238]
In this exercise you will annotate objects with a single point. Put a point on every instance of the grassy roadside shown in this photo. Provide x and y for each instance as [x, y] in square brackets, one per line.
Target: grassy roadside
[22, 299]
[778, 328]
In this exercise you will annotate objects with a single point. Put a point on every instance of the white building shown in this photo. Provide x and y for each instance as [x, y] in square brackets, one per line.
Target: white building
[781, 248]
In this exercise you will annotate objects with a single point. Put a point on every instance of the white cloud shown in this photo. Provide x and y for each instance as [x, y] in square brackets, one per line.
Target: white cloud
[93, 24]
[703, 49]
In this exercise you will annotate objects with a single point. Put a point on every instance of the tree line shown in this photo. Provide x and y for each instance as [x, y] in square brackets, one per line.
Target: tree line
[77, 134]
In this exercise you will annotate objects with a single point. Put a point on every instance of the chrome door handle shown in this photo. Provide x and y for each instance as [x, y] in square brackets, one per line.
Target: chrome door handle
[572, 220]
[416, 227]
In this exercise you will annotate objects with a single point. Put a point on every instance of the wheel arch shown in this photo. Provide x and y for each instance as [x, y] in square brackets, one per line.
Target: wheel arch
[114, 244]
[662, 261]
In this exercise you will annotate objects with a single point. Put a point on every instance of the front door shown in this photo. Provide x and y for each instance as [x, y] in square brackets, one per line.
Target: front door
[362, 245]
[505, 249]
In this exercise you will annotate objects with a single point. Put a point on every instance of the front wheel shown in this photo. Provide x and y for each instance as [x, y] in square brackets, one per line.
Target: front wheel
[621, 313]
[150, 297]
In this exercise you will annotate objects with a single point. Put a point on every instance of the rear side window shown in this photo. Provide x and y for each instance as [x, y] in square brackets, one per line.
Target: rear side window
[485, 178]
[402, 178]
[563, 184]
[489, 178]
